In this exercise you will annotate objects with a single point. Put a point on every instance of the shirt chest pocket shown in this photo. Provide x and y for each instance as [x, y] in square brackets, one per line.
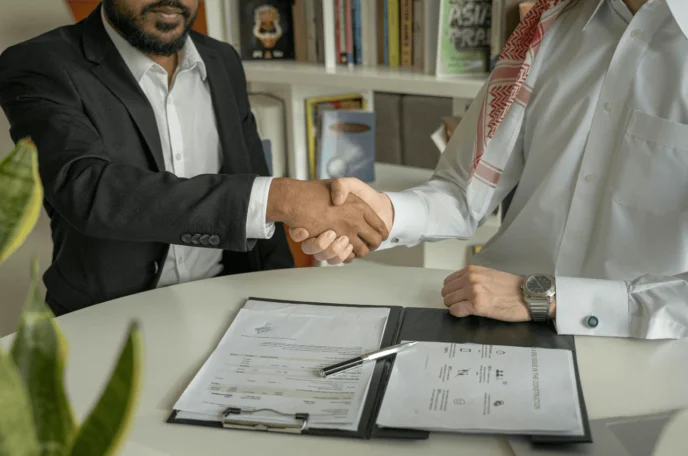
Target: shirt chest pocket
[651, 172]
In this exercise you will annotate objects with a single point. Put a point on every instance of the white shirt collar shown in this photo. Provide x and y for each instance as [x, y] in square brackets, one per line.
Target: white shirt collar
[139, 63]
[678, 8]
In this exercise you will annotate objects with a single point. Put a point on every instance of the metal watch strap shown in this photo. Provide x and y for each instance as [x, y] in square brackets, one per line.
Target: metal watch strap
[538, 308]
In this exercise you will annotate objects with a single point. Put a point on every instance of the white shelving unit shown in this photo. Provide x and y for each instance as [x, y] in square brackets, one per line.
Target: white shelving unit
[364, 78]
[294, 82]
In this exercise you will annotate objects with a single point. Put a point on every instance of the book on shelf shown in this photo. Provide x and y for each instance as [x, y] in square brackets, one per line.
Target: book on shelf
[266, 28]
[463, 43]
[314, 108]
[346, 147]
[436, 37]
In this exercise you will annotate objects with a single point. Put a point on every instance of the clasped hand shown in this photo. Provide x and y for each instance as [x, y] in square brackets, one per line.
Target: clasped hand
[326, 246]
[308, 205]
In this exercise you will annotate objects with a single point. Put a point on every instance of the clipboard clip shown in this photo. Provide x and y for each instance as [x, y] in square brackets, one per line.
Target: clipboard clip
[261, 423]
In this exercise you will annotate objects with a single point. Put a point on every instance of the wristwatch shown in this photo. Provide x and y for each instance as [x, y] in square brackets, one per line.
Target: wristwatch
[539, 291]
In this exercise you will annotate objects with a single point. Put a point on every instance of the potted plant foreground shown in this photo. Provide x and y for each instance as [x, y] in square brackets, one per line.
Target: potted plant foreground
[37, 417]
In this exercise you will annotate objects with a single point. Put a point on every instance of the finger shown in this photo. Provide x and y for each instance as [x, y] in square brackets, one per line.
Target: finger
[339, 190]
[371, 237]
[461, 309]
[455, 297]
[375, 223]
[351, 257]
[454, 276]
[298, 234]
[319, 244]
[334, 250]
[360, 247]
[346, 253]
[452, 286]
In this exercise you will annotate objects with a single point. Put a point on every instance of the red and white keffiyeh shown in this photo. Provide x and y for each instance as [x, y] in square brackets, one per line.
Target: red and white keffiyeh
[507, 95]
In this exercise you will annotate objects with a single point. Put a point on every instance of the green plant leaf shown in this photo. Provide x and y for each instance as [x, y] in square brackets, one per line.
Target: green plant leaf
[40, 351]
[21, 196]
[103, 431]
[17, 432]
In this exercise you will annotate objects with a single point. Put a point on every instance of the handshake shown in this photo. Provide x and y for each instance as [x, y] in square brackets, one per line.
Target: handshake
[337, 219]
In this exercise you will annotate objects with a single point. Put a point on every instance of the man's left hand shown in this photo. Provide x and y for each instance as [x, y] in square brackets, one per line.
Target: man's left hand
[487, 293]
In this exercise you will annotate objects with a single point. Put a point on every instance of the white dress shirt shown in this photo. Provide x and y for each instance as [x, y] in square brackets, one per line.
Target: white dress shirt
[191, 147]
[602, 171]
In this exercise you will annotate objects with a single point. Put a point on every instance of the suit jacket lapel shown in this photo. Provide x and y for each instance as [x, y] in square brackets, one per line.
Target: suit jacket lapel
[114, 73]
[229, 124]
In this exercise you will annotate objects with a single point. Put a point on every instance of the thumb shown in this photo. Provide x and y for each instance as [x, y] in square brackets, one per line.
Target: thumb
[299, 234]
[339, 191]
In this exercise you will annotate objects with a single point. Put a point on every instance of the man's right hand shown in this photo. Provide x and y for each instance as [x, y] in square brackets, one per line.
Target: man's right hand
[325, 247]
[309, 206]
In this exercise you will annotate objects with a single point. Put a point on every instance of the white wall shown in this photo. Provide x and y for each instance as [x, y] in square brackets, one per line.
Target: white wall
[19, 21]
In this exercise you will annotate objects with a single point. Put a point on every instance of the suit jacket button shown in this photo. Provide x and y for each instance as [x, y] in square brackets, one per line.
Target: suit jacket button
[186, 238]
[194, 238]
[204, 239]
[214, 239]
[154, 267]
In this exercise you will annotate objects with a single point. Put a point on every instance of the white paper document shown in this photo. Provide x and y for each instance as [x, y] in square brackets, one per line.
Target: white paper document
[482, 388]
[269, 359]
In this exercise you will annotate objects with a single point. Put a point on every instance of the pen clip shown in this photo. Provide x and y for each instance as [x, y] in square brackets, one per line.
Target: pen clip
[263, 423]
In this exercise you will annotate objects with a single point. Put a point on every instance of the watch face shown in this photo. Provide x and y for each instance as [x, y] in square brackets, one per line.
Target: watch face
[539, 285]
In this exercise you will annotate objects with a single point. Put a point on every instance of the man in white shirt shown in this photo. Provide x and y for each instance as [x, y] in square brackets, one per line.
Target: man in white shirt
[596, 236]
[152, 168]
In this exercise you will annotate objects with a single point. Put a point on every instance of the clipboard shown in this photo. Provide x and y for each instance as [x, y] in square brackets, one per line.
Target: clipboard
[421, 324]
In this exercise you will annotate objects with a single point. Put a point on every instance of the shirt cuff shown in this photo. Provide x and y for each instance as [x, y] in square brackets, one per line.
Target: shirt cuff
[410, 215]
[256, 226]
[592, 307]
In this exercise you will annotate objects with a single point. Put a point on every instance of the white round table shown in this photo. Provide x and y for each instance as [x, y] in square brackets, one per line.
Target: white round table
[182, 324]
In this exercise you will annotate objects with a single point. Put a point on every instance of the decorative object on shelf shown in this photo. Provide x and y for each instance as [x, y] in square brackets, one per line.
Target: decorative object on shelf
[266, 29]
[37, 417]
[463, 44]
[82, 8]
[347, 145]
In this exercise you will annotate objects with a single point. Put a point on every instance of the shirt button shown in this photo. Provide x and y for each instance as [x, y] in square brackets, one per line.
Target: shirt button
[178, 157]
[395, 240]
[589, 178]
[592, 321]
[180, 260]
[635, 34]
[609, 106]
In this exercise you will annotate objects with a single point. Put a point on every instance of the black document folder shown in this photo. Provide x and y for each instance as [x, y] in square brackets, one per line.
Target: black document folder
[425, 325]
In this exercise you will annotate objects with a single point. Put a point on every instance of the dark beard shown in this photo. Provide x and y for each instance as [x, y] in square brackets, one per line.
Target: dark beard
[125, 22]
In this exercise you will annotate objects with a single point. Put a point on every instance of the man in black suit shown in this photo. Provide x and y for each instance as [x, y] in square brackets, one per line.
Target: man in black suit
[152, 168]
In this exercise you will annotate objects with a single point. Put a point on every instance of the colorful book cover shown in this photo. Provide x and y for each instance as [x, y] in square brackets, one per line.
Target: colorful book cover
[393, 35]
[406, 31]
[266, 28]
[418, 32]
[385, 15]
[464, 37]
[358, 40]
[314, 107]
[349, 33]
[347, 145]
[340, 30]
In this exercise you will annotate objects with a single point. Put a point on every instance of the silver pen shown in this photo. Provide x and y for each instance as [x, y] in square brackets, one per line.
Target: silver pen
[348, 364]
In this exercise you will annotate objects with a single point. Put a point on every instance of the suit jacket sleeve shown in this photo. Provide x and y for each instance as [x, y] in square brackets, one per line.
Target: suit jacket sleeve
[274, 253]
[85, 184]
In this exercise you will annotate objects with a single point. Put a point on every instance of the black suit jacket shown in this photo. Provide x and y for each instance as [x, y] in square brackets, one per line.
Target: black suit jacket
[114, 209]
